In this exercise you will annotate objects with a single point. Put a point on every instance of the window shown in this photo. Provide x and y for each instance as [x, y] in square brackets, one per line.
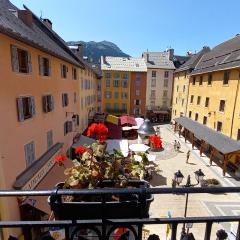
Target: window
[108, 94]
[219, 126]
[74, 73]
[198, 100]
[64, 99]
[21, 60]
[165, 83]
[137, 92]
[207, 102]
[182, 102]
[194, 81]
[176, 99]
[191, 100]
[165, 93]
[124, 106]
[153, 82]
[153, 93]
[222, 106]
[49, 139]
[116, 94]
[210, 79]
[177, 88]
[154, 73]
[67, 127]
[238, 134]
[152, 103]
[44, 66]
[64, 71]
[204, 120]
[138, 83]
[25, 107]
[108, 75]
[124, 95]
[74, 97]
[137, 102]
[29, 150]
[108, 82]
[116, 106]
[226, 77]
[124, 76]
[125, 83]
[136, 111]
[183, 88]
[108, 106]
[201, 80]
[189, 114]
[48, 103]
[116, 83]
[196, 116]
[166, 74]
[116, 75]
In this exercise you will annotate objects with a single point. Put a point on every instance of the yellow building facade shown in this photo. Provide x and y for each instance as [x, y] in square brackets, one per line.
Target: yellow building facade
[180, 94]
[115, 87]
[215, 102]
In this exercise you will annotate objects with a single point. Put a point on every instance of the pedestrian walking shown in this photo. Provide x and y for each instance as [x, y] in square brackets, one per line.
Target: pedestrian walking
[175, 145]
[188, 156]
[178, 146]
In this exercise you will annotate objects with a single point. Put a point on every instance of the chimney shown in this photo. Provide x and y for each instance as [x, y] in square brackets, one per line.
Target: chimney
[147, 57]
[170, 53]
[189, 53]
[47, 22]
[26, 17]
[79, 51]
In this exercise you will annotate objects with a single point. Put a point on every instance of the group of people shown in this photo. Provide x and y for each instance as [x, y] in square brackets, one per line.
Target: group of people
[177, 145]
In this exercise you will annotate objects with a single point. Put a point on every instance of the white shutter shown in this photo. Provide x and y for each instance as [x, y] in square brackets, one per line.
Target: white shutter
[29, 62]
[20, 109]
[14, 57]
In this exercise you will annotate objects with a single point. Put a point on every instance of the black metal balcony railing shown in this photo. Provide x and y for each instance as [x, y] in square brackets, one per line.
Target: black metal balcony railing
[104, 227]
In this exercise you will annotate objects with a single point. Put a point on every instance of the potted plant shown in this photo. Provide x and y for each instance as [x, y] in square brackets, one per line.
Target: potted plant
[96, 168]
[155, 143]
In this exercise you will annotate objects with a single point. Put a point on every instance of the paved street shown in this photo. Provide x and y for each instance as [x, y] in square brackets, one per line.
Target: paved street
[199, 204]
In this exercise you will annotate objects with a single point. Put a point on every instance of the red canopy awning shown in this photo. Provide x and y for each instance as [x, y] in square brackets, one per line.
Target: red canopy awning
[128, 120]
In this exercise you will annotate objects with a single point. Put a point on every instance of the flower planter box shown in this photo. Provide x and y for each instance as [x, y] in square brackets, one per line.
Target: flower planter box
[137, 207]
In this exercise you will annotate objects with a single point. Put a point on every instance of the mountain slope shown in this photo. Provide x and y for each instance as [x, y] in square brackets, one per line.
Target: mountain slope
[94, 50]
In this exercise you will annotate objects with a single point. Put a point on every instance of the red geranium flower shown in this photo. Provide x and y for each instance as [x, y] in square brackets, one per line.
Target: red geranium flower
[81, 150]
[99, 130]
[156, 141]
[60, 158]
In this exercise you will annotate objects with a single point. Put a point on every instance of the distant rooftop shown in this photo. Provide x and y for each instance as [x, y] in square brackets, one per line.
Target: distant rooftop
[123, 64]
[158, 60]
[224, 56]
[193, 61]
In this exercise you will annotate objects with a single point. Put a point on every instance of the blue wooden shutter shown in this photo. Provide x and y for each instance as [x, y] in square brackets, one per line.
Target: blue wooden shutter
[14, 58]
[20, 109]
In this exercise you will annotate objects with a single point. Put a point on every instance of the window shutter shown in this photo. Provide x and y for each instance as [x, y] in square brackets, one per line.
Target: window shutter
[40, 62]
[69, 126]
[29, 63]
[61, 66]
[63, 102]
[32, 106]
[52, 102]
[20, 109]
[44, 98]
[32, 152]
[49, 67]
[65, 128]
[72, 73]
[67, 101]
[77, 120]
[14, 56]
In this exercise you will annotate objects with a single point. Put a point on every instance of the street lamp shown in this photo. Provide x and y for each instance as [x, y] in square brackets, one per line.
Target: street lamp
[146, 130]
[178, 177]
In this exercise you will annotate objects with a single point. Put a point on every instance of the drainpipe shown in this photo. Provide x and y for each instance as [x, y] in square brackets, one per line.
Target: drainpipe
[235, 103]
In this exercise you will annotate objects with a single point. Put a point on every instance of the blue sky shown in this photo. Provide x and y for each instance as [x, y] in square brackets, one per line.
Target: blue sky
[138, 25]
